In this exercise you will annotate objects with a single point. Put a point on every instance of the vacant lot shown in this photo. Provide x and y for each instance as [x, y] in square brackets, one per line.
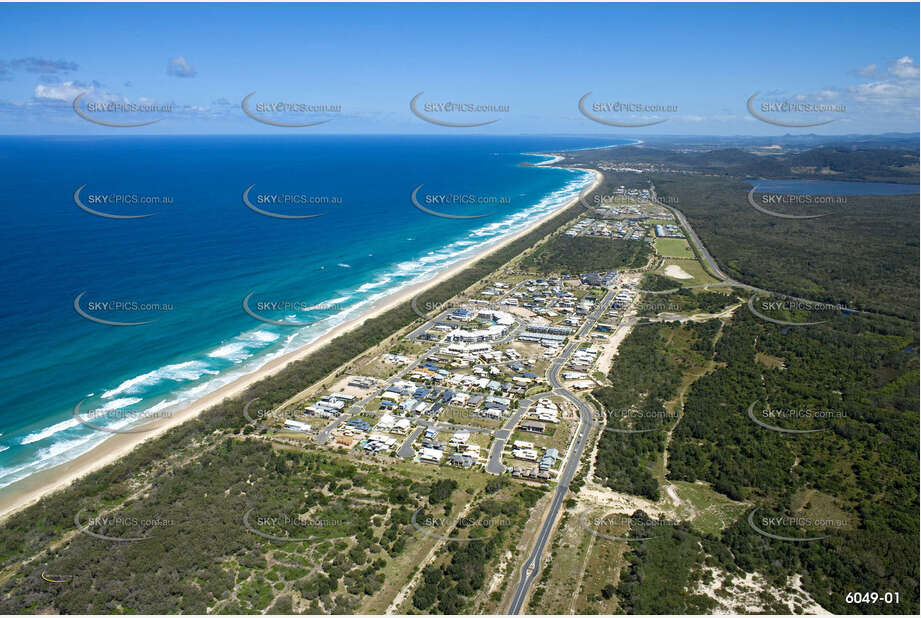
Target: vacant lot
[693, 268]
[674, 248]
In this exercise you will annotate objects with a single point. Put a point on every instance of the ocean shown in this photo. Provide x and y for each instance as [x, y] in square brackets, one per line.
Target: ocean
[181, 274]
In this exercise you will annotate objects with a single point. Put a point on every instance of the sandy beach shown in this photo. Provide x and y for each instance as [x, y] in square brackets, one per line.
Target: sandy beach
[29, 490]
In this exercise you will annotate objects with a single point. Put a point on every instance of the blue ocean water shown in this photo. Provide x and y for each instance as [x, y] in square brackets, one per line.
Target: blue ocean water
[832, 187]
[203, 253]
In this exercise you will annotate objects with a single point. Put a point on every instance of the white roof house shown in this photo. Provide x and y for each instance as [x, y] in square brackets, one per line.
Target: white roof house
[297, 425]
[430, 455]
[528, 454]
[385, 423]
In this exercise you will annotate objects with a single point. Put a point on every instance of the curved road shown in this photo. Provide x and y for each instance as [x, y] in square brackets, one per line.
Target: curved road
[531, 567]
[714, 267]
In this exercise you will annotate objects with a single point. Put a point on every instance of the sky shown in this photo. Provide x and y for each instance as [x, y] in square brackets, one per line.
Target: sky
[696, 65]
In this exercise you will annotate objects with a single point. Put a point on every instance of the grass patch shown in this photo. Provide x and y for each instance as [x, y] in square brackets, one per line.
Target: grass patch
[699, 276]
[712, 511]
[674, 248]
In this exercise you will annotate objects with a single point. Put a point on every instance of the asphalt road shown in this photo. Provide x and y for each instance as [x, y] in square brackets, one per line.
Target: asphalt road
[714, 267]
[495, 465]
[596, 313]
[531, 567]
[406, 449]
[693, 237]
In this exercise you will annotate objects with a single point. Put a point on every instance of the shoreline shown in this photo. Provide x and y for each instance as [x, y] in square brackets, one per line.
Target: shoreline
[29, 490]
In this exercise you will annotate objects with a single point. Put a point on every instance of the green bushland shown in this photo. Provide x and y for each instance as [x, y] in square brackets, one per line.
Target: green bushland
[580, 254]
[646, 373]
[858, 376]
[662, 569]
[863, 256]
[684, 301]
[861, 373]
[657, 283]
[845, 162]
[168, 462]
[449, 584]
[200, 557]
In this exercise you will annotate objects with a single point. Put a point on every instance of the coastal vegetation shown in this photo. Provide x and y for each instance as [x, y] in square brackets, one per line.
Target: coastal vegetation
[459, 573]
[246, 524]
[581, 254]
[851, 481]
[864, 255]
[647, 372]
[684, 301]
[853, 383]
[824, 163]
[661, 571]
[205, 559]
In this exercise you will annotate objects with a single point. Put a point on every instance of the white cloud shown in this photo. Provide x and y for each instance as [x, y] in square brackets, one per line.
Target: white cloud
[896, 88]
[904, 68]
[68, 91]
[180, 67]
[63, 91]
[886, 92]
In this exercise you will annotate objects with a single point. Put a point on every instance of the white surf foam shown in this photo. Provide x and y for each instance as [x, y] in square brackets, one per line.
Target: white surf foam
[179, 372]
[47, 432]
